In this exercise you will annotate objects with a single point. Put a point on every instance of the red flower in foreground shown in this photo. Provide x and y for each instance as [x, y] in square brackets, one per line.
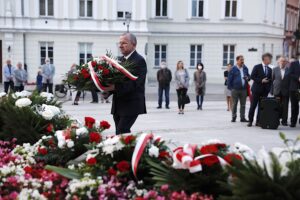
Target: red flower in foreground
[164, 154]
[231, 157]
[76, 77]
[85, 73]
[94, 63]
[42, 150]
[104, 125]
[105, 72]
[100, 67]
[91, 161]
[123, 166]
[95, 137]
[89, 122]
[49, 128]
[112, 172]
[129, 139]
[67, 134]
[210, 160]
[28, 169]
[211, 148]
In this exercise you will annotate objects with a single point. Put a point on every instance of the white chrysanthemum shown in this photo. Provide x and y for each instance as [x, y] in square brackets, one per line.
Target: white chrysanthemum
[153, 151]
[244, 150]
[2, 94]
[81, 131]
[47, 95]
[23, 102]
[24, 93]
[47, 114]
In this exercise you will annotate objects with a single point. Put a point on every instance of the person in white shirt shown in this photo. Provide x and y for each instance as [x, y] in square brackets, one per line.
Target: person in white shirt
[20, 77]
[48, 71]
[8, 76]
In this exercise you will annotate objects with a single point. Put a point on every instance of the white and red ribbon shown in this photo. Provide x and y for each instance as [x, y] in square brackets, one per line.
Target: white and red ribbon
[95, 78]
[139, 150]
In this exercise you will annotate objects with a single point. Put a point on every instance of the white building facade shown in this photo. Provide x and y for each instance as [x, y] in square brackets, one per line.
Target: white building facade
[213, 32]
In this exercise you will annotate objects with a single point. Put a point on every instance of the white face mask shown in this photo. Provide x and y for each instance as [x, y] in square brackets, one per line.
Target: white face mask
[163, 66]
[200, 67]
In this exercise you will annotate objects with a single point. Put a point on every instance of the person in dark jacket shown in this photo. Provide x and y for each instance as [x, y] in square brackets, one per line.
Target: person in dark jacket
[280, 87]
[39, 81]
[237, 82]
[262, 82]
[164, 77]
[294, 76]
[129, 96]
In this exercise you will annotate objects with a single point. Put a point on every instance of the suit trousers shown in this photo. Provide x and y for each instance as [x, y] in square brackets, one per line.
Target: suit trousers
[7, 85]
[256, 98]
[284, 104]
[49, 86]
[294, 106]
[124, 123]
[239, 95]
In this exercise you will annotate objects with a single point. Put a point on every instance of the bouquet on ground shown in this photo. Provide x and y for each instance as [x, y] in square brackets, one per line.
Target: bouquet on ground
[101, 72]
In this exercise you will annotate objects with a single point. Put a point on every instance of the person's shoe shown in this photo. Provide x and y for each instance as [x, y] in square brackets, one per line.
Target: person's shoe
[167, 107]
[284, 123]
[233, 119]
[257, 124]
[198, 108]
[107, 101]
[244, 120]
[293, 125]
[249, 124]
[158, 107]
[94, 101]
[75, 103]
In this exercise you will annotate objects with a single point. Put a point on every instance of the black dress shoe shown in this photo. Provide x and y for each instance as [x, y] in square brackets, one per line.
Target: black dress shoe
[94, 102]
[249, 124]
[293, 125]
[244, 120]
[167, 107]
[75, 103]
[158, 107]
[284, 123]
[257, 124]
[233, 119]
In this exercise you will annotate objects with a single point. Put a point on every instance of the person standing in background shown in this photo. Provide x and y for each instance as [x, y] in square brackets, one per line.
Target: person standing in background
[20, 78]
[39, 81]
[262, 82]
[227, 91]
[237, 82]
[280, 87]
[164, 77]
[182, 84]
[200, 84]
[8, 76]
[48, 71]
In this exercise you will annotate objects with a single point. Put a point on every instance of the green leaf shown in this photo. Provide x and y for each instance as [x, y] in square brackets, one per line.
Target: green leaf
[282, 136]
[68, 173]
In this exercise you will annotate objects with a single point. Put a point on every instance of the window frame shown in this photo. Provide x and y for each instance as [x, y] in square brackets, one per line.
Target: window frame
[230, 16]
[85, 53]
[46, 44]
[160, 58]
[46, 9]
[228, 57]
[197, 9]
[161, 9]
[85, 9]
[196, 59]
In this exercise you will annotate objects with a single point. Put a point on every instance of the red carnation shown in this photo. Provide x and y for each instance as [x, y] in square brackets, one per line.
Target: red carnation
[210, 160]
[89, 122]
[49, 128]
[42, 150]
[209, 149]
[94, 63]
[129, 139]
[105, 72]
[231, 157]
[112, 172]
[123, 166]
[164, 154]
[95, 137]
[91, 161]
[28, 169]
[104, 125]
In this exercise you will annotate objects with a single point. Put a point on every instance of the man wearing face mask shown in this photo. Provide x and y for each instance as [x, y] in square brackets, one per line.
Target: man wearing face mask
[9, 76]
[164, 77]
[237, 82]
[48, 71]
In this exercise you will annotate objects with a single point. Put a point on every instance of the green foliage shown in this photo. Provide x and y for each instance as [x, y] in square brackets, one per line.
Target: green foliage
[68, 173]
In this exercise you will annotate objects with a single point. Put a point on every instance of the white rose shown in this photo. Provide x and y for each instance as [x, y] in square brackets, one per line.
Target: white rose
[23, 102]
[24, 93]
[55, 110]
[81, 131]
[47, 95]
[47, 114]
[61, 144]
[2, 94]
[153, 151]
[70, 143]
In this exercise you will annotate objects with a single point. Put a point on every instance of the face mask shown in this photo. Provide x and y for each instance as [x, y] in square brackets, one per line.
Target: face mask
[200, 67]
[163, 66]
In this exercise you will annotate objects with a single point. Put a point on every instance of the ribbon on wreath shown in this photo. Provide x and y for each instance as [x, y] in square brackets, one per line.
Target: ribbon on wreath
[139, 150]
[184, 158]
[95, 78]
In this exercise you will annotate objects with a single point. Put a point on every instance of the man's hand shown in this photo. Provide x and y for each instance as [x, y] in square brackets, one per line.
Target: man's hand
[110, 88]
[265, 80]
[299, 79]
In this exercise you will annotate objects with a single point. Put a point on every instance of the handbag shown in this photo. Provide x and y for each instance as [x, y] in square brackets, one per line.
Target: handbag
[186, 99]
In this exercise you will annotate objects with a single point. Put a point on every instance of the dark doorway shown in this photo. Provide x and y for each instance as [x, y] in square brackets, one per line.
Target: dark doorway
[0, 61]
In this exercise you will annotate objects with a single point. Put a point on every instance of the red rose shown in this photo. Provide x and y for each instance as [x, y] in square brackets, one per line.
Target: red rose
[76, 77]
[105, 72]
[89, 122]
[50, 128]
[94, 63]
[85, 73]
[91, 161]
[100, 67]
[28, 169]
[231, 157]
[210, 160]
[95, 137]
[112, 172]
[42, 150]
[129, 139]
[123, 166]
[212, 148]
[104, 125]
[163, 154]
[139, 198]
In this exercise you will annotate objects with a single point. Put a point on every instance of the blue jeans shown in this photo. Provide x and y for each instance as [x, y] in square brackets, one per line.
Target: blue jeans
[167, 95]
[199, 100]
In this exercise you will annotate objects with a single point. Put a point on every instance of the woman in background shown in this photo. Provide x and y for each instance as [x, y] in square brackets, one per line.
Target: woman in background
[39, 81]
[227, 91]
[200, 84]
[182, 84]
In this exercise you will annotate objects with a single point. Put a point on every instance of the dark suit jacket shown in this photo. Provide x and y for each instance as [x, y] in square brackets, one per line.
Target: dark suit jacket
[257, 75]
[280, 85]
[294, 74]
[129, 96]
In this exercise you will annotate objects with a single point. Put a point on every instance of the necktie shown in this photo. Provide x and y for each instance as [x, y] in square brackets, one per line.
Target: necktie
[9, 68]
[266, 70]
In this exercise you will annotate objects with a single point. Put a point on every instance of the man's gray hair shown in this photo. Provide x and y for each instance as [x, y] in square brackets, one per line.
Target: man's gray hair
[131, 37]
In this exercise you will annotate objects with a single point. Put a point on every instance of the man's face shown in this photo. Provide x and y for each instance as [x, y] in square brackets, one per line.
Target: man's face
[8, 62]
[240, 61]
[281, 62]
[125, 45]
[19, 66]
[267, 60]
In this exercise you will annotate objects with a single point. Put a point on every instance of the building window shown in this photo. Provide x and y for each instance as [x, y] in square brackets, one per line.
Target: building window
[195, 55]
[197, 8]
[123, 7]
[86, 8]
[160, 54]
[85, 52]
[161, 9]
[46, 51]
[263, 48]
[231, 8]
[228, 54]
[46, 8]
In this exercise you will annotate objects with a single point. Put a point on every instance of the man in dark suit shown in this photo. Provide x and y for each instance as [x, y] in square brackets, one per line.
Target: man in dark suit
[129, 96]
[294, 74]
[262, 81]
[280, 87]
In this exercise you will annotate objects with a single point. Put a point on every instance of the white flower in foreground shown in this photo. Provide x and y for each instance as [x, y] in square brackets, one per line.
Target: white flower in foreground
[24, 93]
[81, 131]
[47, 95]
[153, 151]
[47, 114]
[2, 94]
[212, 141]
[244, 150]
[61, 139]
[70, 143]
[49, 111]
[23, 102]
